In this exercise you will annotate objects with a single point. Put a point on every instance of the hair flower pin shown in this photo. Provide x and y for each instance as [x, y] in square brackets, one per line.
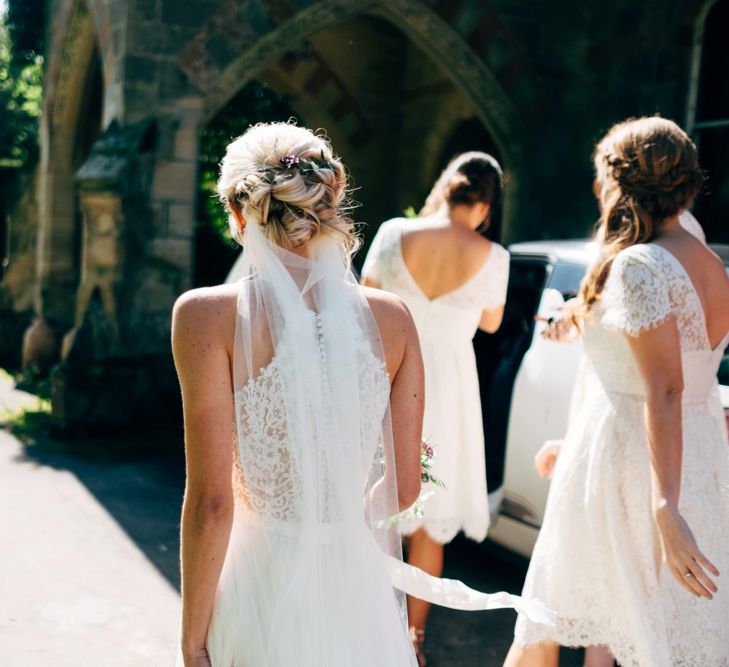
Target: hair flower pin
[290, 162]
[305, 166]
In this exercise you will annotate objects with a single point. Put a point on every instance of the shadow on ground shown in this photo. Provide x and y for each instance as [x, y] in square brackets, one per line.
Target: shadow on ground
[479, 639]
[139, 480]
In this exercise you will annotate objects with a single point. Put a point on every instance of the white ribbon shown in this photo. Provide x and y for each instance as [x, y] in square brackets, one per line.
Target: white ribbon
[455, 594]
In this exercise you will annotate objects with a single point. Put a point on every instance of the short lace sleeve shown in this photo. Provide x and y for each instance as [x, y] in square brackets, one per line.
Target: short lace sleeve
[496, 278]
[636, 295]
[373, 266]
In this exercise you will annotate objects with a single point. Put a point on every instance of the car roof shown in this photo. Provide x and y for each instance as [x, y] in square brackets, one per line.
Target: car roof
[581, 251]
[721, 249]
[572, 251]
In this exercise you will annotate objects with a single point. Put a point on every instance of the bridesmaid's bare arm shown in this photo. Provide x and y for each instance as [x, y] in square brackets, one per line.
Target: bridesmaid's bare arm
[658, 355]
[203, 368]
[491, 319]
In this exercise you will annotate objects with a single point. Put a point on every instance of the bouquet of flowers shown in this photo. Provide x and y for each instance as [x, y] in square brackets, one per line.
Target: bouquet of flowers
[415, 511]
[426, 465]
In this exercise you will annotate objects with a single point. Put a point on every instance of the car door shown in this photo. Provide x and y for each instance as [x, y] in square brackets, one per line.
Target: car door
[538, 411]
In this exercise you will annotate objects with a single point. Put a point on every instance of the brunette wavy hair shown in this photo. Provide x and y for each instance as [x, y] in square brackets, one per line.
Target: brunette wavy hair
[646, 171]
[469, 178]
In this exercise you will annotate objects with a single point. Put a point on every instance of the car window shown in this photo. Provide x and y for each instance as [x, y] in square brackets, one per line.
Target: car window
[724, 370]
[566, 279]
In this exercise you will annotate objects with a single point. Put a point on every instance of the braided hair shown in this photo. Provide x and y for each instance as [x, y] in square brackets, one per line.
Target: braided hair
[647, 171]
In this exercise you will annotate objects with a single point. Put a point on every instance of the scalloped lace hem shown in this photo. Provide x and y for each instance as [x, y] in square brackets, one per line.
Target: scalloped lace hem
[444, 531]
[580, 634]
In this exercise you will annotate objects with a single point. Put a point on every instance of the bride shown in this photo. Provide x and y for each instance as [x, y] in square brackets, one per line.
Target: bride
[283, 567]
[303, 407]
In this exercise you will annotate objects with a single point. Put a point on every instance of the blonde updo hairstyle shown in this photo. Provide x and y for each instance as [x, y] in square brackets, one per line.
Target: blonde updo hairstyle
[286, 179]
[647, 171]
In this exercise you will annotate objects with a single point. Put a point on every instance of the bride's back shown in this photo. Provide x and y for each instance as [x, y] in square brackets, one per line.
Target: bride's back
[321, 382]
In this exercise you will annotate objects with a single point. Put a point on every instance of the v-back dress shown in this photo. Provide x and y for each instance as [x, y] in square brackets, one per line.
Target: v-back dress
[597, 558]
[453, 420]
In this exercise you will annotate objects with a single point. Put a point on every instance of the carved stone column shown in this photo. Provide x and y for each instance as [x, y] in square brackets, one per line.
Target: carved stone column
[102, 261]
[101, 376]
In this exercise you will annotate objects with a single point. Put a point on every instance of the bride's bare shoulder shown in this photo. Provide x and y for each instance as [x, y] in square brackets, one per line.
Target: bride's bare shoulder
[398, 334]
[205, 313]
[391, 314]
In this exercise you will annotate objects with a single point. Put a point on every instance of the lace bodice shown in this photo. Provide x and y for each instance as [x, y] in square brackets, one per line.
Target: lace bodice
[646, 285]
[451, 316]
[264, 475]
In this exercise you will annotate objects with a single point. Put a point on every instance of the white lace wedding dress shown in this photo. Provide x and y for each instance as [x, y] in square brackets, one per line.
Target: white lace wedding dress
[453, 419]
[341, 609]
[597, 560]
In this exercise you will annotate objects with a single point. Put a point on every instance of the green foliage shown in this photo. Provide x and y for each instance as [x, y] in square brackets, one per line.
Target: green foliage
[21, 74]
[31, 420]
[28, 423]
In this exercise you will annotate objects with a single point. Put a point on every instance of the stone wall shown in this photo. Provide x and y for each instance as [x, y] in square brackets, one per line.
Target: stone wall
[397, 84]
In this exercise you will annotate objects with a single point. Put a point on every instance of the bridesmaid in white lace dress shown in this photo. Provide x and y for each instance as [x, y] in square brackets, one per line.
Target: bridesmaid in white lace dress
[634, 535]
[454, 281]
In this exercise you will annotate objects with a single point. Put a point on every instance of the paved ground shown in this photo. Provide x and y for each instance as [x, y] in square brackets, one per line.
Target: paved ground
[84, 547]
[88, 560]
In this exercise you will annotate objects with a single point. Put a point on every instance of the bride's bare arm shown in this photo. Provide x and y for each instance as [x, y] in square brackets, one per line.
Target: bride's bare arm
[658, 354]
[203, 367]
[407, 394]
[407, 401]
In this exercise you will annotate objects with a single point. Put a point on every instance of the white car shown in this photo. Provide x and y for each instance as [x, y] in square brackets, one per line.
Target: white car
[527, 381]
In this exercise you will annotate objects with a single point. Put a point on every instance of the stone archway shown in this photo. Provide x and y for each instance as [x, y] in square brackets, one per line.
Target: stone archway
[227, 53]
[70, 122]
[708, 115]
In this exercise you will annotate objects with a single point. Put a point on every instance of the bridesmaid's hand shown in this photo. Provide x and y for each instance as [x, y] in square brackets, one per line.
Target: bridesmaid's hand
[546, 458]
[559, 329]
[682, 555]
[561, 326]
[197, 658]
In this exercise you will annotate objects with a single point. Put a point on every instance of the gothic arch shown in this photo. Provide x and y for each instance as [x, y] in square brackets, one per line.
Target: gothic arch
[72, 73]
[695, 74]
[707, 117]
[219, 81]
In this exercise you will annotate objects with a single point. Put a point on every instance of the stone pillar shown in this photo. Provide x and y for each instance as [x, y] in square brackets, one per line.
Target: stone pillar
[102, 258]
[116, 367]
